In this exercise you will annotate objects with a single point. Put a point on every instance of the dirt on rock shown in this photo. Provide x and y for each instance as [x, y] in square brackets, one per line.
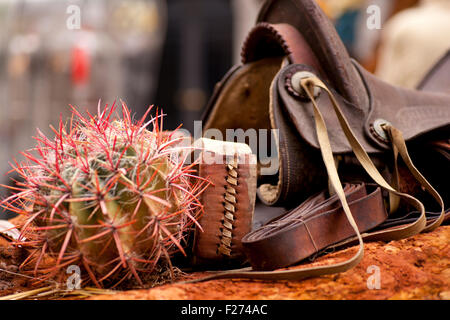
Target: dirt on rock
[10, 258]
[413, 268]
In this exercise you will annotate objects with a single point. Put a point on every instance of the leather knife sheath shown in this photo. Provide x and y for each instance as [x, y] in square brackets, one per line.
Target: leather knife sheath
[228, 203]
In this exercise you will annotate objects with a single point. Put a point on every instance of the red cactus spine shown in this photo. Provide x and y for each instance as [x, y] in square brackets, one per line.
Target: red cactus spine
[106, 194]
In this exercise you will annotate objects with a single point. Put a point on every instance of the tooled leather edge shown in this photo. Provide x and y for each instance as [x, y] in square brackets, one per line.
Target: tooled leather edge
[267, 31]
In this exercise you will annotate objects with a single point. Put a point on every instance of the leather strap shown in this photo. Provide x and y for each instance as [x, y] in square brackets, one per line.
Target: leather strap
[308, 84]
[399, 147]
[313, 226]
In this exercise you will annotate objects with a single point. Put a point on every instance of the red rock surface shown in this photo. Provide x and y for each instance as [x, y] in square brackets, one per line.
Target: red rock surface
[414, 268]
[9, 261]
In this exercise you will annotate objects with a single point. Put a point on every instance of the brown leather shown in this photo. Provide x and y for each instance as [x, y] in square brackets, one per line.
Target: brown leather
[322, 38]
[267, 40]
[314, 225]
[294, 36]
[300, 30]
[248, 86]
[411, 111]
[228, 206]
[415, 113]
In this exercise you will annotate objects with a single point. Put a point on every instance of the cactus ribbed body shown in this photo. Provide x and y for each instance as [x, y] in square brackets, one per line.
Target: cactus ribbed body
[106, 194]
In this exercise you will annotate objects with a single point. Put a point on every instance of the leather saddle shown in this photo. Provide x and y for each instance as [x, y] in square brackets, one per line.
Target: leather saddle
[345, 143]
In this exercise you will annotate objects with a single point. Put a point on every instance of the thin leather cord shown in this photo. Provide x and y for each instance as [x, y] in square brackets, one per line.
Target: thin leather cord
[394, 200]
[397, 139]
[370, 168]
[328, 159]
[399, 146]
[309, 234]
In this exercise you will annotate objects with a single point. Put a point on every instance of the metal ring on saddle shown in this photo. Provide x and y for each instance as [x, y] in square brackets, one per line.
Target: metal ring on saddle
[295, 84]
[379, 128]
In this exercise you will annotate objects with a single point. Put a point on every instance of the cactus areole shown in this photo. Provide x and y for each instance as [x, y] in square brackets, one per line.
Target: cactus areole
[108, 194]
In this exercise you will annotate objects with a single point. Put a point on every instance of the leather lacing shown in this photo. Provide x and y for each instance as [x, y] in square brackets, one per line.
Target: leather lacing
[229, 204]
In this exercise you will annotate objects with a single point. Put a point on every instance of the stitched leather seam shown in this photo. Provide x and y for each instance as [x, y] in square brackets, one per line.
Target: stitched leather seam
[280, 153]
[229, 204]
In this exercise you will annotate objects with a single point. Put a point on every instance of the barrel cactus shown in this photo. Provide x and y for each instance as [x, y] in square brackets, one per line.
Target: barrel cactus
[108, 194]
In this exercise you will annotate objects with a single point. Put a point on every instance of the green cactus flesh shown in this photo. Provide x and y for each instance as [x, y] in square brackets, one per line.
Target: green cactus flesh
[110, 196]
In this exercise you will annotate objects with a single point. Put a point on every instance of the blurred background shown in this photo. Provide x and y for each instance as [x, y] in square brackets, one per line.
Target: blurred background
[170, 53]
